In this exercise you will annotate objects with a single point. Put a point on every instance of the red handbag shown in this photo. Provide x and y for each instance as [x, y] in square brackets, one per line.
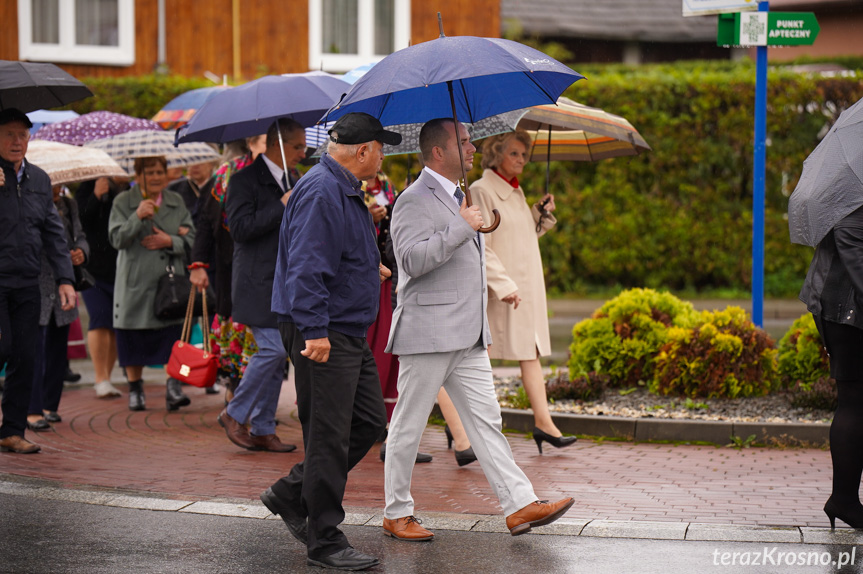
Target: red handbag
[188, 363]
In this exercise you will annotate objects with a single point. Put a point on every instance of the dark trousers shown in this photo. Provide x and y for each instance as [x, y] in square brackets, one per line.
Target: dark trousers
[51, 363]
[19, 335]
[342, 413]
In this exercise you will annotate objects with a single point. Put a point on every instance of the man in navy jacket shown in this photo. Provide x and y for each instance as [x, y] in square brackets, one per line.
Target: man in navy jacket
[326, 293]
[29, 225]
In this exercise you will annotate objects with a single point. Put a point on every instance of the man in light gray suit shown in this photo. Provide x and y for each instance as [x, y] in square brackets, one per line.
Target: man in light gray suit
[440, 333]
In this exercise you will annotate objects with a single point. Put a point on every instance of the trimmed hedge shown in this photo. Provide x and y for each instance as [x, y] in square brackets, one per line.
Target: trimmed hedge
[803, 360]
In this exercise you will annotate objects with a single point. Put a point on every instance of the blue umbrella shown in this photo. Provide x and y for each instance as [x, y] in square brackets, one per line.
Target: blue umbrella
[250, 109]
[178, 111]
[460, 77]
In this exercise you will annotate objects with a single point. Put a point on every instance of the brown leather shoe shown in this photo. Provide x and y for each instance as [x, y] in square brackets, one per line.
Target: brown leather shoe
[237, 433]
[407, 528]
[271, 443]
[538, 513]
[18, 444]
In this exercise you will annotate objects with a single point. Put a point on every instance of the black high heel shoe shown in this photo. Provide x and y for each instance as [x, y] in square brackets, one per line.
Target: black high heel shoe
[555, 441]
[851, 518]
[466, 456]
[449, 438]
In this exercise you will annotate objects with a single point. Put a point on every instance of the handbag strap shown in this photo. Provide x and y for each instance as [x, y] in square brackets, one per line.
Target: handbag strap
[190, 311]
[205, 323]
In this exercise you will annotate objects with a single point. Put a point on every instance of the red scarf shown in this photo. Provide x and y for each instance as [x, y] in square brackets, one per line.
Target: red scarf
[513, 182]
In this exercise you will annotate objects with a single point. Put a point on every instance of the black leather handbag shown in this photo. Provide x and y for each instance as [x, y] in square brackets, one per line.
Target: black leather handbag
[83, 278]
[172, 296]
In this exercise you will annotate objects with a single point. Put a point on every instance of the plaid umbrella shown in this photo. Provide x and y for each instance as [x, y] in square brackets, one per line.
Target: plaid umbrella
[180, 110]
[69, 164]
[92, 126]
[31, 86]
[125, 148]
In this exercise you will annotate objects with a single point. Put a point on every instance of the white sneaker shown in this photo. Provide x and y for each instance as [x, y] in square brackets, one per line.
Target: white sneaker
[105, 390]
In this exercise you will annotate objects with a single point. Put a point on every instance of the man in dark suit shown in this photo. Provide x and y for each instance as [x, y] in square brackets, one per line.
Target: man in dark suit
[255, 203]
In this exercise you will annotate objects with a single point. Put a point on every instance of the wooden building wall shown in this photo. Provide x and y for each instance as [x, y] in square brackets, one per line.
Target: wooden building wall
[273, 35]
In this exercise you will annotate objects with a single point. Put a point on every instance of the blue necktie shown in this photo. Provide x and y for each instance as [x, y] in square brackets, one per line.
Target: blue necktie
[285, 181]
[459, 195]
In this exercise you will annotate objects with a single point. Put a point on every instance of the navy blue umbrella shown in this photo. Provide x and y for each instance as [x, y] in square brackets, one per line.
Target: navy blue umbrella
[463, 77]
[250, 109]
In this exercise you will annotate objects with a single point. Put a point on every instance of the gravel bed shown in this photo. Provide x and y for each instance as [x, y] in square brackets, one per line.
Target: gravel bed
[639, 403]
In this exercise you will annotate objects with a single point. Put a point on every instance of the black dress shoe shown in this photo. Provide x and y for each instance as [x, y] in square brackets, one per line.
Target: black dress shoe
[295, 522]
[52, 417]
[347, 559]
[38, 425]
[71, 376]
[421, 456]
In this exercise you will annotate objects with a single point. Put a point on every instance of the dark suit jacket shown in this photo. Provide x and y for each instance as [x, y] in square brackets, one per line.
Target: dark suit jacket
[254, 209]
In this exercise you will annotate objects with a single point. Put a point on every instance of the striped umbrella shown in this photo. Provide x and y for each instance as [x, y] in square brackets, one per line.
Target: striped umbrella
[180, 110]
[66, 163]
[125, 148]
[575, 132]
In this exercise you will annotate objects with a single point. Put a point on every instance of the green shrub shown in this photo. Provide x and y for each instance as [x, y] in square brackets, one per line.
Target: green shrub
[587, 387]
[819, 394]
[803, 359]
[624, 335]
[724, 355]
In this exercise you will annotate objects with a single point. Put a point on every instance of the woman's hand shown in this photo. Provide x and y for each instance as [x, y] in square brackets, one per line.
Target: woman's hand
[513, 300]
[146, 209]
[378, 212]
[101, 187]
[77, 257]
[157, 240]
[549, 207]
[199, 278]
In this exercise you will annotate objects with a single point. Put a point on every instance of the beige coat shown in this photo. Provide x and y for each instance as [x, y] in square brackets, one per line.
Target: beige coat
[513, 264]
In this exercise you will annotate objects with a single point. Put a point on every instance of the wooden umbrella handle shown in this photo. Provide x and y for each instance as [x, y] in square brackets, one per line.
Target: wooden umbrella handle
[495, 212]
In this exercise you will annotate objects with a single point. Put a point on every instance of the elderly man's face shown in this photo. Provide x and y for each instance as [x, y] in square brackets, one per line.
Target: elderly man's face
[14, 137]
[375, 156]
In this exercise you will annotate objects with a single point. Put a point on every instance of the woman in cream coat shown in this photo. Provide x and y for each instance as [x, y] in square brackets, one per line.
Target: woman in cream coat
[517, 311]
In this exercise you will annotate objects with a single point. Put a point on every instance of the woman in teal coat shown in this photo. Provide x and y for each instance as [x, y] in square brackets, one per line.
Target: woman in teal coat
[151, 229]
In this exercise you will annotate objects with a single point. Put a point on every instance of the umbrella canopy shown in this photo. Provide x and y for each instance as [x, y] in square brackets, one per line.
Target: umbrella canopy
[831, 185]
[250, 109]
[601, 128]
[180, 110]
[31, 86]
[70, 164]
[41, 117]
[577, 145]
[488, 76]
[464, 77]
[93, 126]
[125, 148]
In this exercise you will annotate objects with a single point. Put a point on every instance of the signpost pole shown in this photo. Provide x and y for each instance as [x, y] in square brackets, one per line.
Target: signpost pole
[758, 171]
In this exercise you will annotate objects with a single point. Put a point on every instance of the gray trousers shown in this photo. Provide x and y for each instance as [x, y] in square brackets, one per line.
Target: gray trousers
[466, 375]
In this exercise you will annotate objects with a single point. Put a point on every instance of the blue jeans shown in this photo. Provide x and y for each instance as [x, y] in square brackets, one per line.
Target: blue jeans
[257, 396]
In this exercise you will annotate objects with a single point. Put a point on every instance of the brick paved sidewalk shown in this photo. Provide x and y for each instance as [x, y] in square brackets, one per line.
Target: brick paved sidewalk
[186, 454]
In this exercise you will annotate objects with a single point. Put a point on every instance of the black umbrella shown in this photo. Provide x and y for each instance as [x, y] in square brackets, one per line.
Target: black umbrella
[31, 86]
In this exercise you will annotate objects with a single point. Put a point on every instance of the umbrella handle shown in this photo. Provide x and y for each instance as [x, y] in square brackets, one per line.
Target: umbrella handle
[495, 212]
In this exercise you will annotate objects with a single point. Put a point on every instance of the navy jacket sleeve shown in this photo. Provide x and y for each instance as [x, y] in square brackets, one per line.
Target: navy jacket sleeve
[54, 244]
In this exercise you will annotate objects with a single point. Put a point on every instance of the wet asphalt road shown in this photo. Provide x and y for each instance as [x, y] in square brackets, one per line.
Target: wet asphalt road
[45, 536]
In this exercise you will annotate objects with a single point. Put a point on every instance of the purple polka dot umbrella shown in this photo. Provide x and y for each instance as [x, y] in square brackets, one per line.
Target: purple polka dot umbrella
[93, 126]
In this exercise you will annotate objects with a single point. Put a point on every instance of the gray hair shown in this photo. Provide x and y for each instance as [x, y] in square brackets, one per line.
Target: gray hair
[334, 148]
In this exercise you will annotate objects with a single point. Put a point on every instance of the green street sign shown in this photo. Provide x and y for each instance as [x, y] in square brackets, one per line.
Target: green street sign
[767, 29]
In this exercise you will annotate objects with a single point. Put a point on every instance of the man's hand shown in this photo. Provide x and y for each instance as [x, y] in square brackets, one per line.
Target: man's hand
[101, 187]
[2, 178]
[146, 209]
[68, 297]
[77, 256]
[512, 299]
[317, 350]
[378, 212]
[157, 240]
[385, 273]
[285, 197]
[471, 215]
[199, 278]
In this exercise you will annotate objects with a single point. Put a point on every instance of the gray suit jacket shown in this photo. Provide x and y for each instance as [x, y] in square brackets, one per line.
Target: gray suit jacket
[442, 293]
